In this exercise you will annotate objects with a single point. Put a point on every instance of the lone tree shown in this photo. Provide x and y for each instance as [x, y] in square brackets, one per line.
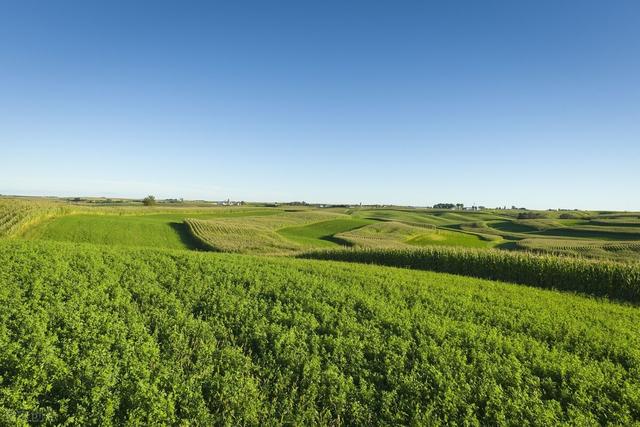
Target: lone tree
[149, 201]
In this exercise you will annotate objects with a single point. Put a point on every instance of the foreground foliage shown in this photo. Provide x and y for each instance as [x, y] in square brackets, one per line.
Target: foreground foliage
[602, 278]
[96, 335]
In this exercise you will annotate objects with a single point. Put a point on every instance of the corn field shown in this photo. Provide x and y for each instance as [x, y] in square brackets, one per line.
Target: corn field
[16, 215]
[224, 236]
[601, 278]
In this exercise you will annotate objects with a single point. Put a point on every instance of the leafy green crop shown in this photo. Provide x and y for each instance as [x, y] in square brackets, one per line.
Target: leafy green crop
[97, 335]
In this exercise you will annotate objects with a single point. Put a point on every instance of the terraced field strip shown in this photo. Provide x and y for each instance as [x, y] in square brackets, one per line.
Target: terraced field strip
[443, 237]
[146, 228]
[617, 222]
[257, 235]
[18, 215]
[129, 230]
[595, 232]
[227, 236]
[399, 216]
[382, 234]
[323, 234]
[628, 251]
[543, 243]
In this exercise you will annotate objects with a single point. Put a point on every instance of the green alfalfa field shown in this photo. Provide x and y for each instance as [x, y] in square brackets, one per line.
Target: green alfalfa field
[134, 316]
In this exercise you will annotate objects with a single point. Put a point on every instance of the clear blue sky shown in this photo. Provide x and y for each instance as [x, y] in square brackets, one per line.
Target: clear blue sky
[533, 103]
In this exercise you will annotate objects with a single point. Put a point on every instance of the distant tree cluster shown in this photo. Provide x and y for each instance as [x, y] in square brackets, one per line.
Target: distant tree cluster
[149, 201]
[91, 200]
[531, 215]
[448, 206]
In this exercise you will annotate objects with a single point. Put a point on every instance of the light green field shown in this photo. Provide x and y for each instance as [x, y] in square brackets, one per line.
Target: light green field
[163, 230]
[144, 230]
[322, 234]
[450, 238]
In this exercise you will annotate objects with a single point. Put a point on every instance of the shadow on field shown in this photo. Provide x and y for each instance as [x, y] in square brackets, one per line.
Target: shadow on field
[590, 234]
[337, 240]
[510, 246]
[186, 237]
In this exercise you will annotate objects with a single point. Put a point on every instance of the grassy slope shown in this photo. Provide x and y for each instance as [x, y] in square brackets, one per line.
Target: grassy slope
[427, 217]
[141, 335]
[450, 238]
[322, 234]
[397, 215]
[115, 230]
[397, 229]
[165, 230]
[390, 234]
